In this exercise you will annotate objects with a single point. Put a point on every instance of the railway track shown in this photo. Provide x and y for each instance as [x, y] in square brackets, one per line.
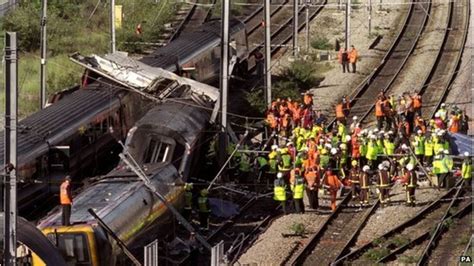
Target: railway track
[397, 240]
[335, 235]
[437, 83]
[196, 17]
[281, 27]
[383, 76]
[239, 232]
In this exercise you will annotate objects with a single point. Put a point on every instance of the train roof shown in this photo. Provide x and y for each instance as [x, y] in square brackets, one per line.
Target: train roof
[106, 195]
[183, 120]
[47, 127]
[188, 44]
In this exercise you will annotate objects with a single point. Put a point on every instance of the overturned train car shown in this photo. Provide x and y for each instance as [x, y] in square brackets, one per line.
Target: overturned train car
[166, 142]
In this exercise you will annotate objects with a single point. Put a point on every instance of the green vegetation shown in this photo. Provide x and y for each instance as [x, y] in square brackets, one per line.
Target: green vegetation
[408, 259]
[376, 254]
[399, 241]
[76, 26]
[299, 77]
[298, 229]
[321, 43]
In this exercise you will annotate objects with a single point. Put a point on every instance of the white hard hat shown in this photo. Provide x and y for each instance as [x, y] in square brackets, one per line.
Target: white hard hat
[365, 168]
[280, 175]
[381, 167]
[327, 145]
[466, 153]
[373, 137]
[386, 164]
[289, 143]
[419, 131]
[381, 132]
[409, 167]
[437, 115]
[404, 146]
[390, 132]
[443, 105]
[348, 138]
[376, 130]
[274, 147]
[333, 151]
[321, 140]
[354, 118]
[445, 151]
[439, 133]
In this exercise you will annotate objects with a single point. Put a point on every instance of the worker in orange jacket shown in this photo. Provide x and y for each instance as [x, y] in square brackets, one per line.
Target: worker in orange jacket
[353, 57]
[417, 103]
[379, 111]
[65, 199]
[343, 59]
[333, 184]
[340, 116]
[312, 179]
[308, 99]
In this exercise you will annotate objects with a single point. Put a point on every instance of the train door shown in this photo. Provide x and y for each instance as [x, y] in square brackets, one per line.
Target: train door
[58, 163]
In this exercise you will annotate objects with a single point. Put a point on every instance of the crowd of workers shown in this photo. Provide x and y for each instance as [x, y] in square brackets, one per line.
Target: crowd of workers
[306, 156]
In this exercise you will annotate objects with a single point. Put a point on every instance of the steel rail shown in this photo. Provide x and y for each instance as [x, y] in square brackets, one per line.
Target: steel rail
[303, 253]
[356, 233]
[385, 87]
[418, 240]
[412, 221]
[360, 90]
[284, 26]
[438, 230]
[185, 20]
[437, 84]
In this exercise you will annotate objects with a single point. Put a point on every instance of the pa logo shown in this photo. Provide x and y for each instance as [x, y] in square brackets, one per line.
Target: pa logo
[465, 259]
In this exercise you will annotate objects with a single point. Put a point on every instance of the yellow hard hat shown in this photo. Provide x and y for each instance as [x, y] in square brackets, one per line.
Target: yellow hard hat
[204, 192]
[354, 163]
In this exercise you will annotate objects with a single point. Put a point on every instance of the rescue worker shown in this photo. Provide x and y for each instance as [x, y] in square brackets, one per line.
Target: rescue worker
[284, 162]
[355, 177]
[409, 181]
[204, 209]
[297, 187]
[188, 201]
[308, 100]
[364, 183]
[443, 113]
[312, 180]
[383, 184]
[440, 169]
[333, 184]
[272, 162]
[279, 191]
[454, 123]
[353, 57]
[429, 148]
[417, 103]
[65, 199]
[371, 150]
[379, 112]
[466, 169]
[340, 116]
[343, 59]
[418, 145]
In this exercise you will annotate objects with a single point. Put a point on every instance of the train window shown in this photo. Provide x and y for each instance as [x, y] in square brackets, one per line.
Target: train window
[73, 247]
[160, 149]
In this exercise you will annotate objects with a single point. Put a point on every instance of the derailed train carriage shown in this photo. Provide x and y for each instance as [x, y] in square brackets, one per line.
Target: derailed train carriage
[166, 142]
[72, 135]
